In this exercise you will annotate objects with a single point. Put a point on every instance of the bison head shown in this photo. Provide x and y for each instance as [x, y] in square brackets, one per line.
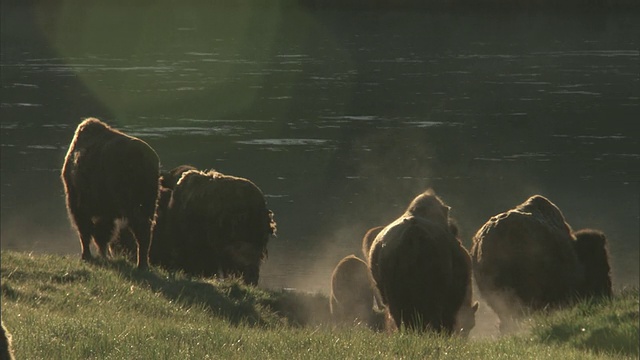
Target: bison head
[591, 249]
[465, 319]
[245, 258]
[428, 206]
[169, 179]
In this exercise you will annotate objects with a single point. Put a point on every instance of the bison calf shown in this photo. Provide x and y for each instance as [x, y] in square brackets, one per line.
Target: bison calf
[109, 176]
[352, 293]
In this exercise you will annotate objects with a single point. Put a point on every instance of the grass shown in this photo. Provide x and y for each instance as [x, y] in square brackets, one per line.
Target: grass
[60, 308]
[606, 327]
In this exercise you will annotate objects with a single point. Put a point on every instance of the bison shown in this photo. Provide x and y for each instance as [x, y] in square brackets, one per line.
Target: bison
[109, 176]
[352, 293]
[214, 224]
[422, 271]
[528, 258]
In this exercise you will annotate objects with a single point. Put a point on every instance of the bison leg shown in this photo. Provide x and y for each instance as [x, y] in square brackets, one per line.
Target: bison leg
[81, 220]
[85, 230]
[251, 274]
[85, 243]
[141, 229]
[102, 234]
[243, 259]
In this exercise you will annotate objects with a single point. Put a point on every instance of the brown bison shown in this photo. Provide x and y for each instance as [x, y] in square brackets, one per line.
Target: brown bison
[352, 293]
[214, 224]
[110, 176]
[528, 258]
[422, 271]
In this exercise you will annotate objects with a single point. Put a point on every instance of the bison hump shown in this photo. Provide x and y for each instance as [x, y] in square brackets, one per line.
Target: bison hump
[544, 211]
[414, 237]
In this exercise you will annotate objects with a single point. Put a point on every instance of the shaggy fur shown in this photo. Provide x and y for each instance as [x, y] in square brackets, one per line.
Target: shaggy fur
[592, 251]
[527, 259]
[6, 351]
[422, 271]
[169, 179]
[107, 176]
[368, 238]
[351, 298]
[215, 224]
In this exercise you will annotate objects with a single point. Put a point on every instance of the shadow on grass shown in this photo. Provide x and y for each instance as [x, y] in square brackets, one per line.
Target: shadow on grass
[614, 333]
[601, 340]
[300, 308]
[230, 299]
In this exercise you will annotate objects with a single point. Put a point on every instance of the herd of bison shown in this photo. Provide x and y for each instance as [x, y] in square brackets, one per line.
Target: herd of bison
[415, 273]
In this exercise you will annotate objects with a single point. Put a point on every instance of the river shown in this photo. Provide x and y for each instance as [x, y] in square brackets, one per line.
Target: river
[340, 117]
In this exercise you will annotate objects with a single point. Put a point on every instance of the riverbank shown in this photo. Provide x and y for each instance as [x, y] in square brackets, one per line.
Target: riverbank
[58, 307]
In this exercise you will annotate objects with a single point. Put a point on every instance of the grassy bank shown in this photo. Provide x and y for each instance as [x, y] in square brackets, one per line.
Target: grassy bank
[59, 308]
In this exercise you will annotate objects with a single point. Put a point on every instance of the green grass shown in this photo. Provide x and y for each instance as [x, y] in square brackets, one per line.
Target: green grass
[603, 327]
[60, 308]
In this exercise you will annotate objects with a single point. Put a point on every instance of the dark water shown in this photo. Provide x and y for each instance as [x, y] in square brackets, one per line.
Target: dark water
[341, 118]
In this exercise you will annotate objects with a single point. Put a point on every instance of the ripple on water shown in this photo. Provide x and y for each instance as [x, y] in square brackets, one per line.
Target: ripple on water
[285, 142]
[180, 130]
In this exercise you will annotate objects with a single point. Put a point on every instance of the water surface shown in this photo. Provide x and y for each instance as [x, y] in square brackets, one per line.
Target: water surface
[341, 118]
